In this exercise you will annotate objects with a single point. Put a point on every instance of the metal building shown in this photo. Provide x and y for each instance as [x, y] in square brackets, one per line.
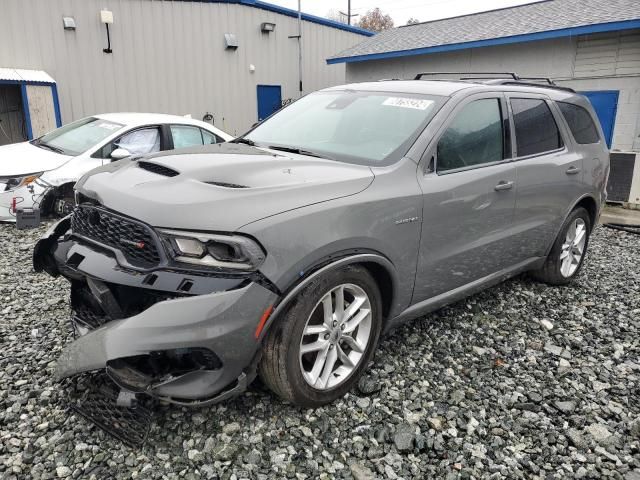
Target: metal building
[589, 45]
[236, 60]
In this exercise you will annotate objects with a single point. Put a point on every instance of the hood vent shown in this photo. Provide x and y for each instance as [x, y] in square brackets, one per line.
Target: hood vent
[227, 185]
[159, 169]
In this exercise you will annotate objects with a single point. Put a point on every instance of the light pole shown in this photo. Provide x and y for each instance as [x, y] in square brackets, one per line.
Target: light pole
[299, 37]
[348, 14]
[300, 44]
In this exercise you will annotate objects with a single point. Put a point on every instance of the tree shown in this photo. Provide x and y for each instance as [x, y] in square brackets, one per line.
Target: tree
[412, 21]
[336, 16]
[376, 21]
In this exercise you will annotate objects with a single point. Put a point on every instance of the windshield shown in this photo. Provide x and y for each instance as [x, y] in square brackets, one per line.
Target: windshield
[370, 128]
[77, 137]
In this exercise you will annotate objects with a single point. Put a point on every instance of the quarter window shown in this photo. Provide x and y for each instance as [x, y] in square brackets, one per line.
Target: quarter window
[580, 123]
[474, 137]
[536, 129]
[209, 138]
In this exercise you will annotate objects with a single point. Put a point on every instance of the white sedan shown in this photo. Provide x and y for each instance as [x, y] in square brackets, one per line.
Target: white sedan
[41, 173]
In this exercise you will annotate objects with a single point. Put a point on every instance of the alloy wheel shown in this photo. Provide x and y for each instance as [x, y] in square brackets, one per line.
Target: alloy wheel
[573, 247]
[335, 336]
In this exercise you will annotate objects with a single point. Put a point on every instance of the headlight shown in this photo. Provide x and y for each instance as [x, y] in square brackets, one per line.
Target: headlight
[11, 183]
[211, 250]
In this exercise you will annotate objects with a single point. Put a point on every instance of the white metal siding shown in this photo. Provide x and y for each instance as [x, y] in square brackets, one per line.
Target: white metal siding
[608, 54]
[168, 56]
[607, 61]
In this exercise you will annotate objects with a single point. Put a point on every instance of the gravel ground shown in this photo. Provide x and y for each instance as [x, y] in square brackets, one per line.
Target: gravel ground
[521, 381]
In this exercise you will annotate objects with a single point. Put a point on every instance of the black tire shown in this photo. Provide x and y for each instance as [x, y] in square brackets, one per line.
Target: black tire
[550, 271]
[280, 368]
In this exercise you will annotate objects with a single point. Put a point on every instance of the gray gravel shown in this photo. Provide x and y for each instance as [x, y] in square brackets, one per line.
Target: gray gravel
[521, 381]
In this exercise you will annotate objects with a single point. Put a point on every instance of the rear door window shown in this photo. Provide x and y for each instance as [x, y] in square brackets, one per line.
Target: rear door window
[474, 137]
[186, 136]
[535, 128]
[580, 123]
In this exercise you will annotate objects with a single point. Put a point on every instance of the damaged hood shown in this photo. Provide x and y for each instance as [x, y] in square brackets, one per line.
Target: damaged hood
[23, 158]
[219, 187]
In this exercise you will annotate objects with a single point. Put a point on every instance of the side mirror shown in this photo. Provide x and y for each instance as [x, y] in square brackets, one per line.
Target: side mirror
[120, 153]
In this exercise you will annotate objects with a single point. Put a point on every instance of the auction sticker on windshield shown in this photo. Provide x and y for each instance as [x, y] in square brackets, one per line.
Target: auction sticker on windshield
[415, 103]
[109, 125]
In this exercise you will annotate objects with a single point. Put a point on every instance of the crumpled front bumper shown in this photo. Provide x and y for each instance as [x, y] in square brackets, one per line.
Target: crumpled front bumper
[221, 317]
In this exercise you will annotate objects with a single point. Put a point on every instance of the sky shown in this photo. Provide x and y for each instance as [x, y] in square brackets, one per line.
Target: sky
[402, 10]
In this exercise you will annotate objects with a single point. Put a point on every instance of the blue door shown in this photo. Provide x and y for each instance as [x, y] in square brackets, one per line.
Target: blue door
[269, 100]
[605, 103]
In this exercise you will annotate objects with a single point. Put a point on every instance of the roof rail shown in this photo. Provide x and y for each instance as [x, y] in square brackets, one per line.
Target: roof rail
[512, 78]
[468, 75]
[524, 83]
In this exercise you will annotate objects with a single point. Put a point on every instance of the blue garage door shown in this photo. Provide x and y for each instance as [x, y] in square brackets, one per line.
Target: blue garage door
[269, 100]
[605, 103]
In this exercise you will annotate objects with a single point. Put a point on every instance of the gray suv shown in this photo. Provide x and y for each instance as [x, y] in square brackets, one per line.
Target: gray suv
[287, 252]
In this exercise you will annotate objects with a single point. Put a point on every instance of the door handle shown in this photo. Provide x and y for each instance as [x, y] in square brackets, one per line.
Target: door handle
[503, 186]
[572, 170]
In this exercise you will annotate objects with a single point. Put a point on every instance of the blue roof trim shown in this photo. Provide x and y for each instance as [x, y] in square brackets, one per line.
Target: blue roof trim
[527, 37]
[294, 13]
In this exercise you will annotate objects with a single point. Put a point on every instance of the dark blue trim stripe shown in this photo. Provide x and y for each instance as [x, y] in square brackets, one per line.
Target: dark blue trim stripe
[528, 37]
[25, 108]
[294, 13]
[24, 82]
[56, 105]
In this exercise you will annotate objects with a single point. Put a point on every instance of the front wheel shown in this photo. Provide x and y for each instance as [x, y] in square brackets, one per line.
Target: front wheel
[317, 351]
[567, 254]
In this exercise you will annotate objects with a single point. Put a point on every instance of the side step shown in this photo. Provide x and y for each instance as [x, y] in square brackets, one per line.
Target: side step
[96, 398]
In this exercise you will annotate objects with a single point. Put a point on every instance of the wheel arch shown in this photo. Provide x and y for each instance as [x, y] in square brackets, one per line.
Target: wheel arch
[47, 203]
[380, 268]
[590, 205]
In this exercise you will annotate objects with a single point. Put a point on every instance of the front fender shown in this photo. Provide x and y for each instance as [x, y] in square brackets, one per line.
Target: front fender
[362, 258]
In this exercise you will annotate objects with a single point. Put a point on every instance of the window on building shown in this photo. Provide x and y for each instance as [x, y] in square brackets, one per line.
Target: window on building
[473, 138]
[536, 129]
[580, 123]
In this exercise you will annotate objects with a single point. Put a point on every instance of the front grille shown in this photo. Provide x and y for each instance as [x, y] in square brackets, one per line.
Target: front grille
[88, 317]
[135, 240]
[159, 169]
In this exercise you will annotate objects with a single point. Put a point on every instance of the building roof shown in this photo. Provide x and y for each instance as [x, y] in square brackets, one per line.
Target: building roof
[294, 13]
[18, 75]
[534, 21]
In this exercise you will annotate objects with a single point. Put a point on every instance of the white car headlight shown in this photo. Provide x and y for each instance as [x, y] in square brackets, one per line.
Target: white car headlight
[11, 183]
[234, 252]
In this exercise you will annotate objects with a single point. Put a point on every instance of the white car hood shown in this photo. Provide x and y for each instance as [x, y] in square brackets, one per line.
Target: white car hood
[21, 158]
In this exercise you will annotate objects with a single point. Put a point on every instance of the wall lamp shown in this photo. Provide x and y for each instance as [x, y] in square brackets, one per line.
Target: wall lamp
[69, 23]
[267, 27]
[230, 40]
[106, 17]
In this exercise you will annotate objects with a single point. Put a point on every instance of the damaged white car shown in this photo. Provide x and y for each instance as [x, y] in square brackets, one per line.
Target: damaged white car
[41, 173]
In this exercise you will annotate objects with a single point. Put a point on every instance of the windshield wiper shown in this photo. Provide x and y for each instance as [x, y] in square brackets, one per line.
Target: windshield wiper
[297, 150]
[41, 144]
[246, 141]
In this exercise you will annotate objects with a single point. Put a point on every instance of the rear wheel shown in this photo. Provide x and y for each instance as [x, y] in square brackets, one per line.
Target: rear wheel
[319, 348]
[567, 254]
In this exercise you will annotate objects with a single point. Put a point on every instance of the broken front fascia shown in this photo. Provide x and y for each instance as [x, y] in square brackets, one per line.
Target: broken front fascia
[153, 338]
